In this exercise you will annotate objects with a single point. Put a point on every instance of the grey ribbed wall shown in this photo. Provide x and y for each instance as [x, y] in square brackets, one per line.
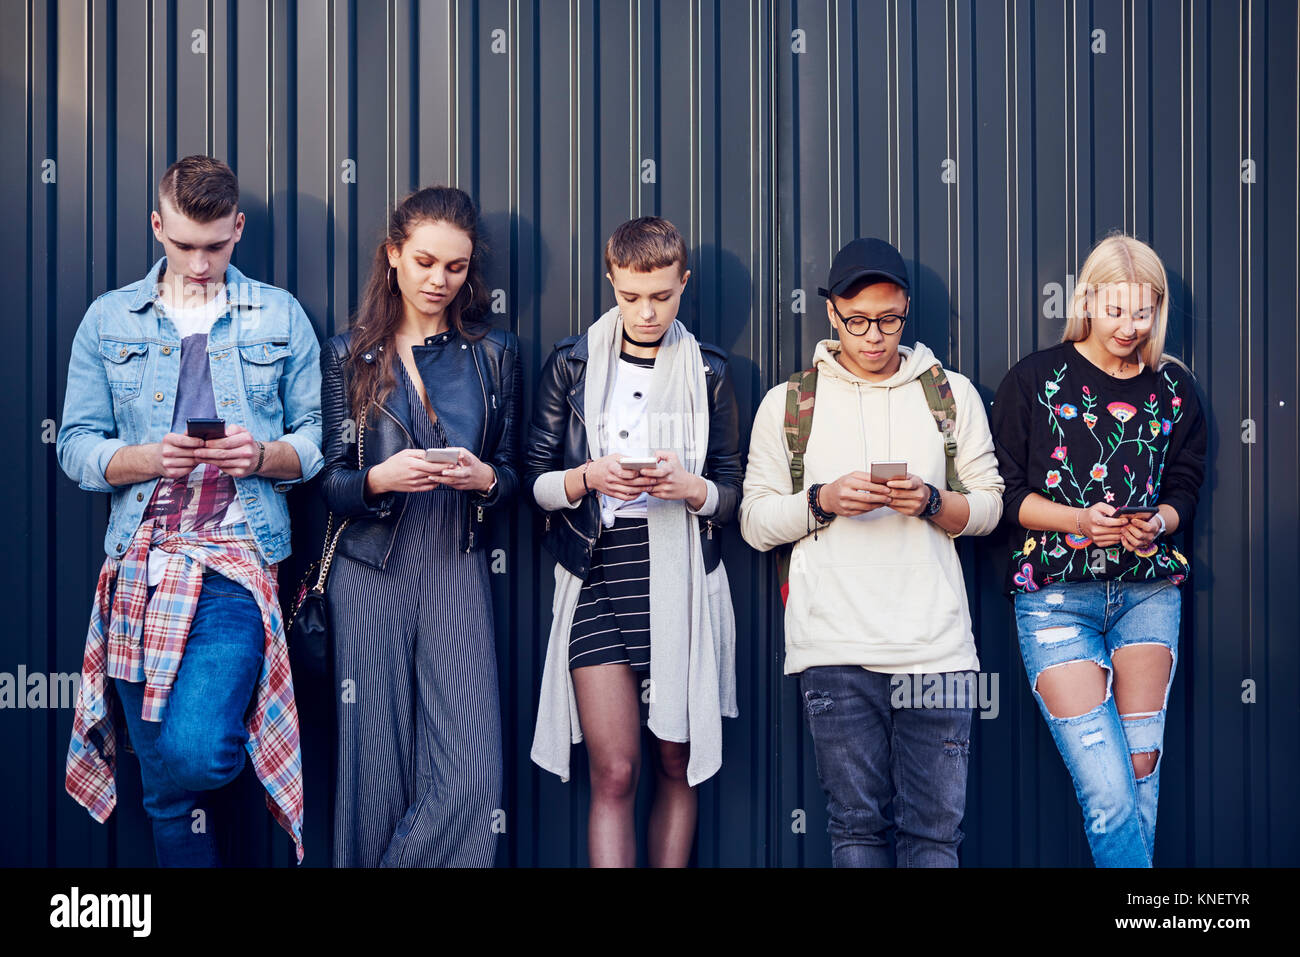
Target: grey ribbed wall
[768, 159]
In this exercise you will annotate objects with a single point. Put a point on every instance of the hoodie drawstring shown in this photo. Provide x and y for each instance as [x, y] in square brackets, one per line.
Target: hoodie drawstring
[862, 426]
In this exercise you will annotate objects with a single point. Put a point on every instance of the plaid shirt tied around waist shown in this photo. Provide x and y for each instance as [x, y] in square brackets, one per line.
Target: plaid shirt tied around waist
[145, 640]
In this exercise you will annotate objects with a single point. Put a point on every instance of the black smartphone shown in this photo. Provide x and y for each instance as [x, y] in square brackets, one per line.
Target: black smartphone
[1134, 510]
[205, 429]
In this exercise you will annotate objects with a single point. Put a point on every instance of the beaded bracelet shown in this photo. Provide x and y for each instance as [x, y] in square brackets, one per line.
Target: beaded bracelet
[814, 506]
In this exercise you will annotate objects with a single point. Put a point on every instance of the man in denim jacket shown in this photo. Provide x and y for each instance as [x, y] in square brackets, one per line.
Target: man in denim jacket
[186, 618]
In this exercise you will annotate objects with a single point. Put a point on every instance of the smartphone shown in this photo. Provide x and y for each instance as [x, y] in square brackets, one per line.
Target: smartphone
[882, 472]
[1134, 510]
[445, 456]
[637, 463]
[205, 428]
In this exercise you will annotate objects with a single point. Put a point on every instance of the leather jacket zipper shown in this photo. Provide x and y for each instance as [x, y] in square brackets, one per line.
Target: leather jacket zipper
[482, 447]
[397, 524]
[591, 542]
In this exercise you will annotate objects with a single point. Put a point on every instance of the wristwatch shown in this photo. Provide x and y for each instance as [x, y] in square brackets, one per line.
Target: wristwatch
[1164, 527]
[936, 502]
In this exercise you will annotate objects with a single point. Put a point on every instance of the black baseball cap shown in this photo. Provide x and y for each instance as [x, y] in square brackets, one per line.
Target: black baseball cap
[864, 258]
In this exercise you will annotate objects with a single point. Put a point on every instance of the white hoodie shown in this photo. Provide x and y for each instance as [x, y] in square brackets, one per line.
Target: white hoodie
[882, 590]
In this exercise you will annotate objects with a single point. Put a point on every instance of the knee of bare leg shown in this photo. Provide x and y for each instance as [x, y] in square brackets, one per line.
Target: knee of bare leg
[1072, 689]
[674, 759]
[1144, 763]
[614, 778]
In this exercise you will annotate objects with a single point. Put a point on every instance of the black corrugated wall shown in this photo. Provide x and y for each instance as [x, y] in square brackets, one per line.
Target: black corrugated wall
[992, 140]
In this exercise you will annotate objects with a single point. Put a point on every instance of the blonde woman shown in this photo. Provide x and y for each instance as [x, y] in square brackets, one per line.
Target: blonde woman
[1101, 442]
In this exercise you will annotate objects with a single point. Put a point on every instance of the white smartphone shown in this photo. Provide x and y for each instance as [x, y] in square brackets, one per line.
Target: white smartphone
[882, 472]
[445, 456]
[637, 463]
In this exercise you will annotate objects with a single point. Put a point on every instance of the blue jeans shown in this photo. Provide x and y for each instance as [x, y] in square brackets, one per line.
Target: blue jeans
[200, 743]
[869, 752]
[1090, 621]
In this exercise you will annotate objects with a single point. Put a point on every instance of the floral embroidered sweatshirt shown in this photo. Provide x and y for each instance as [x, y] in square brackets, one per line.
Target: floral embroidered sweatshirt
[1076, 435]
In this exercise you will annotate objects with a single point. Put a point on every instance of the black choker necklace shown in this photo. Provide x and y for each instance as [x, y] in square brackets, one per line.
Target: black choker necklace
[644, 345]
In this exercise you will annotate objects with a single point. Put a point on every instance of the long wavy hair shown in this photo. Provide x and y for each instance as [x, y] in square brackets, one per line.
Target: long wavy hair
[1120, 258]
[381, 310]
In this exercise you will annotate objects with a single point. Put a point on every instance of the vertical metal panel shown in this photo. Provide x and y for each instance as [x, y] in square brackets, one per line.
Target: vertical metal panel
[768, 159]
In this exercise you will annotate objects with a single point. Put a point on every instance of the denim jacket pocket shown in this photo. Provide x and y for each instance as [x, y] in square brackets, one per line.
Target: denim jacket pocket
[262, 365]
[124, 364]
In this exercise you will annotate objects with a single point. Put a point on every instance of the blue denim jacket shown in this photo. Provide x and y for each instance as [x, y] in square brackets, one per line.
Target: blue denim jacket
[122, 381]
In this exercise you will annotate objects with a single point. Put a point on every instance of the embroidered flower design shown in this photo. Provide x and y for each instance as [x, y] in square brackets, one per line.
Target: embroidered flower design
[1177, 401]
[1053, 478]
[1051, 388]
[1121, 410]
[1098, 471]
[1030, 545]
[1147, 551]
[1067, 411]
[1177, 579]
[1151, 489]
[1077, 541]
[1059, 453]
[1090, 419]
[1085, 391]
[1155, 427]
[1110, 496]
[1166, 426]
[1178, 555]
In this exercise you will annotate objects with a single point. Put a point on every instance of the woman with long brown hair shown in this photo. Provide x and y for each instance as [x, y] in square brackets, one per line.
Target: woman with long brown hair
[420, 399]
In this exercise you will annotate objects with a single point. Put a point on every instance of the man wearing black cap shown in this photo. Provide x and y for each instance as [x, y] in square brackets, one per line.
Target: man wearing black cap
[875, 603]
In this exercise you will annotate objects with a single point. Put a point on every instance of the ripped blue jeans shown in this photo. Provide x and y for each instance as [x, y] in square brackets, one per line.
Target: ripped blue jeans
[1090, 621]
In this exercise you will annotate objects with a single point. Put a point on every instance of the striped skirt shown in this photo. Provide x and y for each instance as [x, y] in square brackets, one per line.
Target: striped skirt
[611, 624]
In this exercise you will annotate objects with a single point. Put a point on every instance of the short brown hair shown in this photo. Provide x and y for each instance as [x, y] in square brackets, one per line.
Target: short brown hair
[644, 245]
[199, 187]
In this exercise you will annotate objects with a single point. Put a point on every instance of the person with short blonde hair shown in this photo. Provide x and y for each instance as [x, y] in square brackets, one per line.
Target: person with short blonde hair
[634, 458]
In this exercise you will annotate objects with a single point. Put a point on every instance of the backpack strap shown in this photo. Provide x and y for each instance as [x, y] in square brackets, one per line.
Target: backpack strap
[938, 396]
[800, 391]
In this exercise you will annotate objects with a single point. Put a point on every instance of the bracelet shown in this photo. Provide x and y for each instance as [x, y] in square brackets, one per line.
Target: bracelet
[824, 517]
[1077, 524]
[261, 457]
[585, 465]
[1164, 526]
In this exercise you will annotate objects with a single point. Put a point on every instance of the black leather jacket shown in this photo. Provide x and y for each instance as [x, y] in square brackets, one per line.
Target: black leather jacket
[557, 439]
[476, 390]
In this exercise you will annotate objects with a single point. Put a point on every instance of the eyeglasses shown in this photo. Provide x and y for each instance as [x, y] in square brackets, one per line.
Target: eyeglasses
[858, 325]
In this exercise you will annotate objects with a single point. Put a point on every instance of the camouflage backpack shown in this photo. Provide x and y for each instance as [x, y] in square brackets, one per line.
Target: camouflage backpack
[801, 391]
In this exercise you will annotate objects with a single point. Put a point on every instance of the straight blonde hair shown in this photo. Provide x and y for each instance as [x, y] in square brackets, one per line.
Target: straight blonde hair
[1122, 259]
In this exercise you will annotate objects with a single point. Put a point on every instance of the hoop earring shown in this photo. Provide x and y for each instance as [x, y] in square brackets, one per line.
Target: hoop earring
[392, 285]
[470, 286]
